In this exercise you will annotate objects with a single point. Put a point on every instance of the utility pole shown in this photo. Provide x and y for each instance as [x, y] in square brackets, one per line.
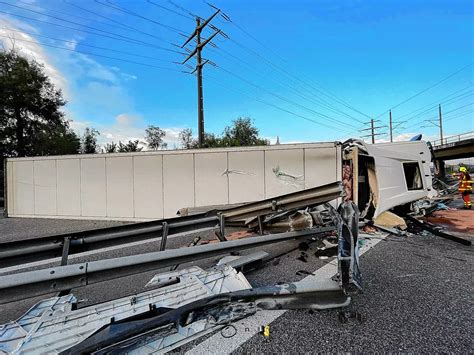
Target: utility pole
[199, 65]
[392, 126]
[440, 123]
[437, 123]
[372, 130]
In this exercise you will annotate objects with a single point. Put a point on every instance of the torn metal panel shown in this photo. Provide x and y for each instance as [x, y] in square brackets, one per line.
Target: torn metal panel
[288, 179]
[347, 222]
[157, 333]
[54, 325]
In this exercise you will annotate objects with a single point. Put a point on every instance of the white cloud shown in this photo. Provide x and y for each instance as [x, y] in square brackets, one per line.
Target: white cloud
[71, 44]
[30, 48]
[129, 76]
[127, 119]
[127, 126]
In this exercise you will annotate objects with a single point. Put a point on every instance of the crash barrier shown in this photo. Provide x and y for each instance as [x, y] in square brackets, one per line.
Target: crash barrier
[453, 139]
[63, 245]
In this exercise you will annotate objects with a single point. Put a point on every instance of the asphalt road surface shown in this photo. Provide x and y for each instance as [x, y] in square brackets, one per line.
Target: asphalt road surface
[417, 295]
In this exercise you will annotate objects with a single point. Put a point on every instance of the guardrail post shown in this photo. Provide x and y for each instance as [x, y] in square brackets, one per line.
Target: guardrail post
[260, 225]
[66, 244]
[221, 233]
[164, 236]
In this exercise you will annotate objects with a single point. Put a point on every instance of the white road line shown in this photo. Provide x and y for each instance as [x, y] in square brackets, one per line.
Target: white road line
[248, 327]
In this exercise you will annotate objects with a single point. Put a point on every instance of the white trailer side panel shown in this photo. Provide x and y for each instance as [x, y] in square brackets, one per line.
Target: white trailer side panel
[178, 180]
[9, 202]
[321, 166]
[156, 184]
[246, 176]
[148, 186]
[119, 187]
[23, 188]
[211, 179]
[93, 188]
[45, 187]
[68, 196]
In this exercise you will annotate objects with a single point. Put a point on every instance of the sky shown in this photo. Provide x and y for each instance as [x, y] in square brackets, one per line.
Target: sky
[303, 70]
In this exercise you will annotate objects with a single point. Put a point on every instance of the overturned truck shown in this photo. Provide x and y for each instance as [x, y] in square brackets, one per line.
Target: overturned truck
[187, 303]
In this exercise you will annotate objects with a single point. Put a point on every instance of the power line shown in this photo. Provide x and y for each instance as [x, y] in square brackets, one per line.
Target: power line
[252, 97]
[297, 91]
[287, 73]
[65, 13]
[183, 9]
[432, 107]
[122, 25]
[447, 102]
[436, 102]
[94, 54]
[130, 12]
[454, 110]
[170, 10]
[426, 89]
[282, 98]
[125, 39]
[460, 115]
[87, 45]
[61, 19]
[291, 76]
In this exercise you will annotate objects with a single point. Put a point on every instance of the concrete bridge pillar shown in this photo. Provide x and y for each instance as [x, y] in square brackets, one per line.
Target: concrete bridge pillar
[439, 168]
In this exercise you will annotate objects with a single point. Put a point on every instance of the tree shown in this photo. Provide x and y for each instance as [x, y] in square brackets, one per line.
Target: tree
[242, 133]
[31, 120]
[110, 148]
[131, 146]
[62, 140]
[210, 141]
[154, 136]
[186, 139]
[89, 141]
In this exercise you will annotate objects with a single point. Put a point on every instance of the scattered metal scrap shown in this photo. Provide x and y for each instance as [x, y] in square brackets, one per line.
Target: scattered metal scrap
[437, 231]
[55, 324]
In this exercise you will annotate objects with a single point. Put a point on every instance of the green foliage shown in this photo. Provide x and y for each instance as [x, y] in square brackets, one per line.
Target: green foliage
[110, 148]
[131, 146]
[31, 120]
[89, 141]
[154, 137]
[241, 133]
[186, 139]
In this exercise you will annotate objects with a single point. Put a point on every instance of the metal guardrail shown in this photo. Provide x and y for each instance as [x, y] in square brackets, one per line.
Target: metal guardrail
[28, 284]
[453, 139]
[63, 245]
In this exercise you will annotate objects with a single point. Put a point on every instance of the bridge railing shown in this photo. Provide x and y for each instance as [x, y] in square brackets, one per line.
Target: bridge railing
[452, 139]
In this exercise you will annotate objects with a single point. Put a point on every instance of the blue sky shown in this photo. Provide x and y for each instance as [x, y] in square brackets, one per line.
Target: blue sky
[301, 59]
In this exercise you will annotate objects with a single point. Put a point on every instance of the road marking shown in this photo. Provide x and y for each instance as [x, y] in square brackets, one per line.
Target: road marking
[248, 327]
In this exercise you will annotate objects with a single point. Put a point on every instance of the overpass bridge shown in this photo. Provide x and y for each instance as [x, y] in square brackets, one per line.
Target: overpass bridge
[453, 147]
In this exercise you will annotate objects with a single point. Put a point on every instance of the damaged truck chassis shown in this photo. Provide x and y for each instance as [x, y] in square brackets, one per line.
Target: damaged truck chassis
[188, 303]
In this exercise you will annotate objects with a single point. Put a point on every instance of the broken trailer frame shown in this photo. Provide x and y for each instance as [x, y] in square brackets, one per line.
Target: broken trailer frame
[370, 170]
